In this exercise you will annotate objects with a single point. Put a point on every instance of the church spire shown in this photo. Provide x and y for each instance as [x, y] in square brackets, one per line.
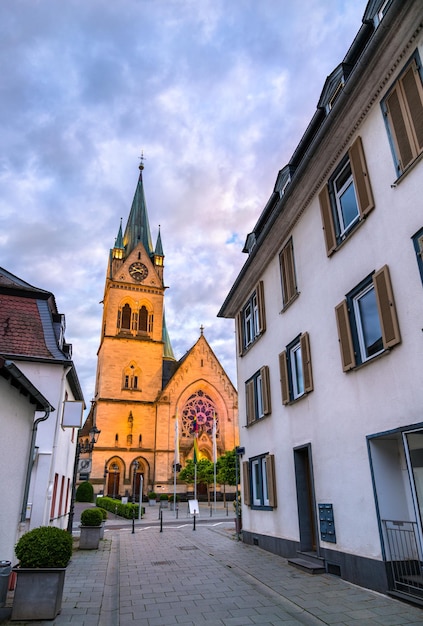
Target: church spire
[167, 346]
[138, 228]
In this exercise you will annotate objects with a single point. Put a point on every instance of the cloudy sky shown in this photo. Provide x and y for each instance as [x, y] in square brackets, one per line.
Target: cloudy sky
[216, 93]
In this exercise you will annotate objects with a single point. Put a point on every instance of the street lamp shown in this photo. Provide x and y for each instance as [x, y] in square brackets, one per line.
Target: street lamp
[81, 448]
[115, 468]
[134, 481]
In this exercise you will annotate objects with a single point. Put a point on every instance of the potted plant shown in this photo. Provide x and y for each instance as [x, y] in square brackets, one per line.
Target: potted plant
[43, 555]
[91, 526]
[152, 496]
[164, 500]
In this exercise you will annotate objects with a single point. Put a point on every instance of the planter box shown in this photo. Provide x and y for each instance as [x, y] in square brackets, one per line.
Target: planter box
[38, 593]
[90, 537]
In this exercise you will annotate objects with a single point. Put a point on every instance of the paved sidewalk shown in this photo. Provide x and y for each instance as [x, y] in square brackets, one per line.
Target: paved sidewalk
[179, 576]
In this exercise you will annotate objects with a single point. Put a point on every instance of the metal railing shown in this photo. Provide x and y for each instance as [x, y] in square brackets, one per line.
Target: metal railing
[404, 555]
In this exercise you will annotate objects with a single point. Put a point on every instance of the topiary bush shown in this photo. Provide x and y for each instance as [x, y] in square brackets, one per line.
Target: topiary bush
[84, 492]
[92, 517]
[45, 546]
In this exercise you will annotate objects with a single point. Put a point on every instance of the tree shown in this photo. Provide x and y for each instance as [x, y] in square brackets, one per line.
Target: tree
[226, 469]
[205, 473]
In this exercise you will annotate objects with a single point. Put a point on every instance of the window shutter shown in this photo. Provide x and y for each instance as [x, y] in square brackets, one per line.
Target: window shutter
[345, 338]
[239, 333]
[246, 482]
[271, 480]
[413, 93]
[260, 304]
[398, 126]
[386, 306]
[283, 369]
[289, 284]
[249, 402]
[267, 405]
[361, 177]
[306, 358]
[327, 219]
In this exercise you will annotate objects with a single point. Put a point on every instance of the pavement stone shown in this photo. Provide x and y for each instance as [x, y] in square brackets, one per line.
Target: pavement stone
[144, 574]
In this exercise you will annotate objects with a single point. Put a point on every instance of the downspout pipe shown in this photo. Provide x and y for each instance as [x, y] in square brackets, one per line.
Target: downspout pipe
[31, 461]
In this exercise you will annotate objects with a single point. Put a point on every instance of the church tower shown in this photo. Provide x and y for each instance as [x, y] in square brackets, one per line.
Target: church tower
[140, 387]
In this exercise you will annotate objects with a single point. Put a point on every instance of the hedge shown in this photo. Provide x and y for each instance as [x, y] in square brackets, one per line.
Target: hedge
[129, 511]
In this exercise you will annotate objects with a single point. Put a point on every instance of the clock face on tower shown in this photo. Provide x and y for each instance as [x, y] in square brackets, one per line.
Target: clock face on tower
[138, 271]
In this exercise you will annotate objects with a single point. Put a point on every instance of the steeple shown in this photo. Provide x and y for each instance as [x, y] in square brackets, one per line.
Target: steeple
[118, 248]
[159, 256]
[138, 228]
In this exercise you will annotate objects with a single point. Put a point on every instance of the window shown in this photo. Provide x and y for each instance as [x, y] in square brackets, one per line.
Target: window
[259, 482]
[418, 247]
[257, 396]
[347, 198]
[130, 377]
[295, 369]
[403, 111]
[367, 320]
[251, 321]
[131, 321]
[287, 267]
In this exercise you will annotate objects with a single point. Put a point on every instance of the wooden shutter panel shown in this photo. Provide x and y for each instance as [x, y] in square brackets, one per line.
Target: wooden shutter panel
[265, 379]
[249, 402]
[386, 306]
[239, 335]
[271, 480]
[246, 482]
[306, 359]
[283, 369]
[413, 92]
[345, 338]
[261, 308]
[289, 283]
[361, 177]
[327, 219]
[397, 123]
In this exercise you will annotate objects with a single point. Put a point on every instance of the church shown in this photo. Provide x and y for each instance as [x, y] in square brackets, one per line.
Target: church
[148, 405]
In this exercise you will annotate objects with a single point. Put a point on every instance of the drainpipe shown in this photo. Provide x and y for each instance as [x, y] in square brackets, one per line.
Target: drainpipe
[31, 462]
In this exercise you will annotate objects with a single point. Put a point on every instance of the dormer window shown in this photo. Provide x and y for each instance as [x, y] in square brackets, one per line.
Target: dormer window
[333, 87]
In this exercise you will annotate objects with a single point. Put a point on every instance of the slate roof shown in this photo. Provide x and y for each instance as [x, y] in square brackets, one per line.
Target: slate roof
[31, 327]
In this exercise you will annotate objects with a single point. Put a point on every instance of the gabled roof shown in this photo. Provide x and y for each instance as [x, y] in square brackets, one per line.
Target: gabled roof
[138, 228]
[31, 329]
[17, 379]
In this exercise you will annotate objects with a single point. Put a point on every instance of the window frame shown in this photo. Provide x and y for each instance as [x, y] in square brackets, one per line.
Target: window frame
[259, 482]
[333, 234]
[251, 320]
[402, 111]
[257, 396]
[351, 356]
[288, 368]
[418, 247]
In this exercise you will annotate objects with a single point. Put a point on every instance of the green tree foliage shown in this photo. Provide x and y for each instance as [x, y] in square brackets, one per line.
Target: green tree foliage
[205, 472]
[85, 492]
[226, 468]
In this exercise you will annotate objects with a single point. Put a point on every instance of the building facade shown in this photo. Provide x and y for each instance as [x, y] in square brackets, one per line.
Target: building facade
[330, 338]
[145, 400]
[34, 350]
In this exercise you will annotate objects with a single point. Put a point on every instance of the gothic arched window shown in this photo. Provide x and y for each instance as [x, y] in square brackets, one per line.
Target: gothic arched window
[143, 319]
[202, 407]
[126, 317]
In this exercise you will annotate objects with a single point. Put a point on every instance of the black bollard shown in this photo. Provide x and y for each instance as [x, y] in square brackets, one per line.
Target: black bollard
[177, 511]
[161, 521]
[133, 521]
[193, 528]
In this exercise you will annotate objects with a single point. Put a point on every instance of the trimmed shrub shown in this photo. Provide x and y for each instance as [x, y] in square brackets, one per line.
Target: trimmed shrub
[92, 517]
[85, 492]
[164, 496]
[128, 511]
[45, 546]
